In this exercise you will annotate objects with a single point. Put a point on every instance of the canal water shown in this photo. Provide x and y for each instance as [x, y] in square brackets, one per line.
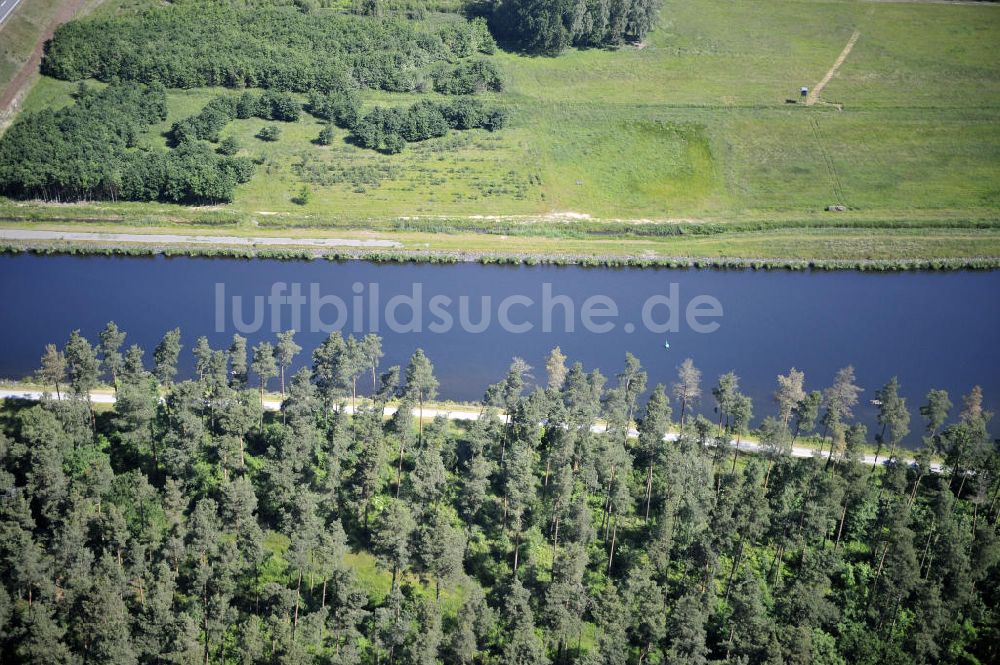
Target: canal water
[932, 330]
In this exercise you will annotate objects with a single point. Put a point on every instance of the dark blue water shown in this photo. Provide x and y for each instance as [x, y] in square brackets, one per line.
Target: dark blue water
[932, 330]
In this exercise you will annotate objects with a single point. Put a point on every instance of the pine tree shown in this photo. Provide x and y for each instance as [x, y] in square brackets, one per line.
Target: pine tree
[806, 412]
[555, 368]
[790, 394]
[519, 491]
[473, 624]
[428, 478]
[265, 367]
[423, 649]
[44, 641]
[893, 416]
[644, 598]
[82, 363]
[110, 348]
[420, 384]
[53, 368]
[165, 357]
[202, 357]
[391, 537]
[284, 354]
[686, 632]
[687, 390]
[522, 645]
[371, 351]
[612, 617]
[440, 548]
[238, 357]
[566, 598]
[369, 452]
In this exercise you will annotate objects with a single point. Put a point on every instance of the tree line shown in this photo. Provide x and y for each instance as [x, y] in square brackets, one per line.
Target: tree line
[389, 129]
[187, 525]
[195, 44]
[90, 150]
[550, 26]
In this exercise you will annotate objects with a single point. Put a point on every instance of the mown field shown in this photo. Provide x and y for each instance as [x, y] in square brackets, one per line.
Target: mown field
[693, 125]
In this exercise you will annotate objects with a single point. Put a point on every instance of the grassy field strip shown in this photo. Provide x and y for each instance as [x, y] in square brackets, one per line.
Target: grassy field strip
[273, 403]
[692, 128]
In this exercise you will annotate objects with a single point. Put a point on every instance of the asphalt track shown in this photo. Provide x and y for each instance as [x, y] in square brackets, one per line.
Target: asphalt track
[6, 8]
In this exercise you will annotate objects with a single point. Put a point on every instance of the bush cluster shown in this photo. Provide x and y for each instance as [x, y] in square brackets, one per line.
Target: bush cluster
[341, 107]
[468, 78]
[390, 129]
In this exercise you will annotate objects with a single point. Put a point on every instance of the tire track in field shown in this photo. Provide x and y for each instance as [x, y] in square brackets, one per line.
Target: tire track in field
[814, 93]
[835, 183]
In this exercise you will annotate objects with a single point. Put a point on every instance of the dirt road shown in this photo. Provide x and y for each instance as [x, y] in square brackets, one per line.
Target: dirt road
[814, 93]
[167, 239]
[12, 97]
[747, 447]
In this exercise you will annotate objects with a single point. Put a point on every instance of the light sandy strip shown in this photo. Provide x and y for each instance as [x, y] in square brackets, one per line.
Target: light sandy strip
[458, 414]
[165, 239]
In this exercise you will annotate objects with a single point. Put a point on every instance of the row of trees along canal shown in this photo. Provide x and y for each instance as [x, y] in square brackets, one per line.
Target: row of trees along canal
[185, 522]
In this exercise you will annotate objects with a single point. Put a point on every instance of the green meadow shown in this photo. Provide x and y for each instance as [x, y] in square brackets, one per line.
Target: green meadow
[693, 125]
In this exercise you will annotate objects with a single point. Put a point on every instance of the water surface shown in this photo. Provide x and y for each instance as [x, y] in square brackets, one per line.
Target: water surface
[932, 330]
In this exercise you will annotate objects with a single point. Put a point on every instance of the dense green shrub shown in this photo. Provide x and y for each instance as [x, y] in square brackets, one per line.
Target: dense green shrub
[229, 146]
[341, 106]
[468, 39]
[325, 136]
[423, 121]
[269, 133]
[468, 78]
[279, 106]
[464, 113]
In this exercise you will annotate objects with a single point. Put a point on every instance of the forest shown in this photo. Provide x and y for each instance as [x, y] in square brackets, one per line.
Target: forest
[89, 150]
[94, 149]
[260, 46]
[550, 26]
[576, 520]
